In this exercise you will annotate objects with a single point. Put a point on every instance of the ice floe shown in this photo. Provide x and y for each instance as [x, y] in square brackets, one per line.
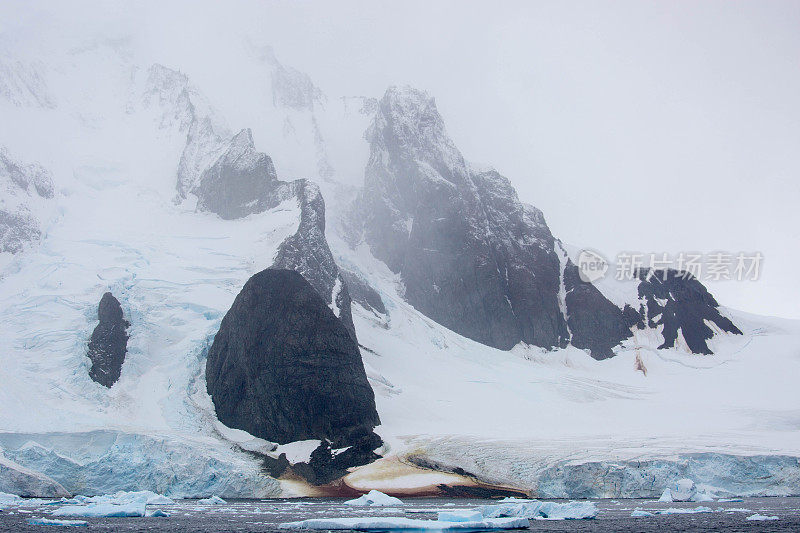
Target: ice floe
[539, 509]
[637, 513]
[51, 522]
[213, 500]
[676, 510]
[761, 517]
[93, 510]
[375, 498]
[393, 523]
[459, 516]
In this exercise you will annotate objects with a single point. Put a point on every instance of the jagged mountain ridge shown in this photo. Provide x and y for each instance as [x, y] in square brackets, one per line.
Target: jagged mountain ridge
[227, 176]
[471, 255]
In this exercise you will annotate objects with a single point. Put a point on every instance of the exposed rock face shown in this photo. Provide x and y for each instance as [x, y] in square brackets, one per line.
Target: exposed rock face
[239, 183]
[26, 189]
[478, 261]
[362, 293]
[109, 342]
[471, 255]
[229, 177]
[308, 253]
[283, 367]
[595, 324]
[680, 303]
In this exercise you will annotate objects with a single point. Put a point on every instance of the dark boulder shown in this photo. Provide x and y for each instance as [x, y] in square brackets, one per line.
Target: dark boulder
[109, 342]
[284, 368]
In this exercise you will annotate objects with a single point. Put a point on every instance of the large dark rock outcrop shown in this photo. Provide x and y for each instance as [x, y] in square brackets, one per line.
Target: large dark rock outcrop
[681, 304]
[595, 324]
[283, 367]
[109, 342]
[239, 182]
[470, 254]
[475, 259]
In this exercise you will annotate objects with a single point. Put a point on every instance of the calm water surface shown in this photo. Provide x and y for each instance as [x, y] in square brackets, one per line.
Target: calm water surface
[265, 515]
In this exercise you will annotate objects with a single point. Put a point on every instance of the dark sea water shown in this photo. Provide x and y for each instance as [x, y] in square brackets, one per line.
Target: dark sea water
[265, 515]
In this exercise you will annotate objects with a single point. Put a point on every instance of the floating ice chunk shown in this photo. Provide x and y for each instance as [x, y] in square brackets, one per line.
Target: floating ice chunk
[674, 510]
[539, 509]
[214, 500]
[512, 499]
[734, 510]
[666, 496]
[684, 490]
[123, 497]
[156, 513]
[459, 516]
[391, 523]
[9, 499]
[760, 517]
[702, 497]
[102, 510]
[730, 500]
[640, 512]
[374, 498]
[51, 522]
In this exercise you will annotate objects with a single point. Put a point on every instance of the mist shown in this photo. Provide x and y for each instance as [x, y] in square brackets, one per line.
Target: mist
[635, 126]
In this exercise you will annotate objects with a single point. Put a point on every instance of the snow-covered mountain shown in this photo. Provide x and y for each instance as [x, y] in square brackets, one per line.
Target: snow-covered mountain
[491, 361]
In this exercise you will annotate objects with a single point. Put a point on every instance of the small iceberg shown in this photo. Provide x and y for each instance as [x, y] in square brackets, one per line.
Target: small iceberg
[375, 498]
[666, 496]
[61, 523]
[146, 497]
[459, 516]
[94, 510]
[684, 490]
[214, 500]
[9, 499]
[638, 513]
[761, 517]
[395, 523]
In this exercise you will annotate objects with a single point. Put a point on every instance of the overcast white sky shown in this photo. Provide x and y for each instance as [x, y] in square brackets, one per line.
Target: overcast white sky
[648, 126]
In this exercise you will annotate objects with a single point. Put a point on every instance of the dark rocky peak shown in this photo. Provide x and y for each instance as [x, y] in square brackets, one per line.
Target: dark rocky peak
[594, 323]
[681, 304]
[308, 253]
[109, 342]
[239, 182]
[470, 254]
[284, 368]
